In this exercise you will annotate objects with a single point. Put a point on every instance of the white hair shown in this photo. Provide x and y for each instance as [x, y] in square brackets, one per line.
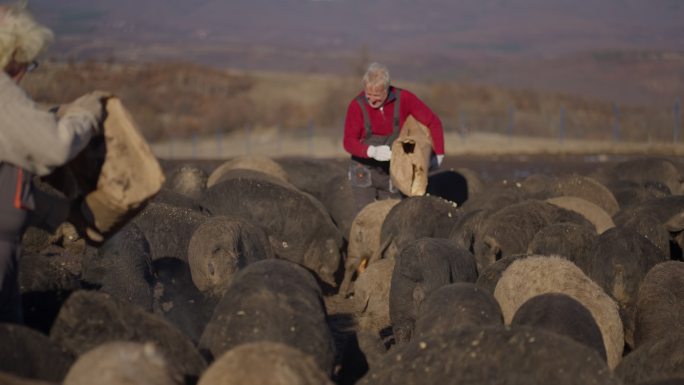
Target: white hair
[21, 37]
[377, 74]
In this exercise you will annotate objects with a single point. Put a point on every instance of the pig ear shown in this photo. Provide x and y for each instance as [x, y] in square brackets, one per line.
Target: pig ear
[676, 223]
[494, 248]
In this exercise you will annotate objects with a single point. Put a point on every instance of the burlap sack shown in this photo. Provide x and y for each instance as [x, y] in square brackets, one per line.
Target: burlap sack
[113, 177]
[410, 161]
[130, 174]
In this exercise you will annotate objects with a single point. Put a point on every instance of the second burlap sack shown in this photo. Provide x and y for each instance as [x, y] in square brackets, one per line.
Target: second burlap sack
[410, 161]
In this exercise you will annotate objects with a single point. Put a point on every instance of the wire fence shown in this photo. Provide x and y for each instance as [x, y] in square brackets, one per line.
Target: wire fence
[617, 126]
[633, 124]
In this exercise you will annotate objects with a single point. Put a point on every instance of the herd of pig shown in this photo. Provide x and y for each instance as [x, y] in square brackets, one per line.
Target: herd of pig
[259, 271]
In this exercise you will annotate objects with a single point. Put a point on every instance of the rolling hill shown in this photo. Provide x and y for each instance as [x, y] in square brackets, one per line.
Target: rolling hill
[630, 51]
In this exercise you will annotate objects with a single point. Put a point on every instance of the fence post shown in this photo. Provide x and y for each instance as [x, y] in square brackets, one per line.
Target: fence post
[677, 119]
[279, 130]
[462, 128]
[616, 123]
[511, 122]
[310, 136]
[561, 126]
[171, 147]
[218, 143]
[194, 145]
[248, 138]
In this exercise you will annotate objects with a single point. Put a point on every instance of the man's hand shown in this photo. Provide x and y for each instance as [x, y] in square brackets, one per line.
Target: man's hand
[92, 103]
[436, 161]
[381, 153]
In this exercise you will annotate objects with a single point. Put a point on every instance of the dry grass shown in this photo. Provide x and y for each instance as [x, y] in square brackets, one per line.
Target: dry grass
[178, 101]
[270, 142]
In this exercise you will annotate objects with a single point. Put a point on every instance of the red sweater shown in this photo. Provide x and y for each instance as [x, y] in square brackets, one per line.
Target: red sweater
[382, 120]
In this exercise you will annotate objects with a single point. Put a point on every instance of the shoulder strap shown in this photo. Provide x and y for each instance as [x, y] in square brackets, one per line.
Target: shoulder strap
[397, 106]
[366, 118]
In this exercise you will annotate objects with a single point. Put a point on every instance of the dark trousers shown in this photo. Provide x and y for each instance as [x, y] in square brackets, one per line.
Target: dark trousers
[370, 181]
[10, 297]
[14, 185]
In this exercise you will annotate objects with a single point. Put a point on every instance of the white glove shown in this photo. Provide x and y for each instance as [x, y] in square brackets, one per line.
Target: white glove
[436, 161]
[91, 105]
[381, 153]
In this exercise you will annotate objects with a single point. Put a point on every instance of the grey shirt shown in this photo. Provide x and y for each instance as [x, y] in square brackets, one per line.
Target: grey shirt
[36, 140]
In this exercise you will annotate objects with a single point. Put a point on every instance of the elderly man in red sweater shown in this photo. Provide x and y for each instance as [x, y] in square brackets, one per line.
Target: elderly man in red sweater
[373, 121]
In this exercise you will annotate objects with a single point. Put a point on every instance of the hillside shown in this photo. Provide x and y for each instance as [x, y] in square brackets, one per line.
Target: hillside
[180, 100]
[627, 51]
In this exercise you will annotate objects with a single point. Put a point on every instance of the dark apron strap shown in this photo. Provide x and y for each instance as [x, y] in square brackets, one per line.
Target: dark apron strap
[366, 118]
[397, 111]
[397, 106]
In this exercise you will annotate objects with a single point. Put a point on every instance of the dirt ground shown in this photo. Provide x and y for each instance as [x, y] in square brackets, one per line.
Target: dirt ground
[491, 168]
[271, 143]
[492, 165]
[493, 156]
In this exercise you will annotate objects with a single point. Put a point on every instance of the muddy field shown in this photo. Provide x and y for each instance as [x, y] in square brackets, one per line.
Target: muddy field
[490, 168]
[188, 273]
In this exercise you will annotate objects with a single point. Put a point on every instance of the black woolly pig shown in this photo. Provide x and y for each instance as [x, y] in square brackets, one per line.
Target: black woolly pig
[645, 171]
[660, 303]
[220, 247]
[414, 218]
[364, 239]
[534, 275]
[271, 300]
[509, 230]
[596, 215]
[312, 175]
[494, 198]
[45, 281]
[177, 299]
[11, 379]
[568, 240]
[455, 306]
[667, 211]
[168, 228]
[619, 261]
[655, 360]
[338, 199]
[27, 353]
[264, 363]
[299, 228]
[88, 319]
[587, 188]
[422, 267]
[262, 164]
[488, 279]
[469, 224]
[122, 267]
[514, 355]
[123, 363]
[561, 314]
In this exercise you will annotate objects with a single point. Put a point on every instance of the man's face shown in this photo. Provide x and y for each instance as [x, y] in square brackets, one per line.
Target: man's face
[375, 94]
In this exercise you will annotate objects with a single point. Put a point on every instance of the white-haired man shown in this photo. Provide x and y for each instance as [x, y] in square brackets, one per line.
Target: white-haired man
[374, 118]
[32, 141]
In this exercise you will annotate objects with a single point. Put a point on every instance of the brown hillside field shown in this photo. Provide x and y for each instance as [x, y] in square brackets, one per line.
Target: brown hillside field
[176, 101]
